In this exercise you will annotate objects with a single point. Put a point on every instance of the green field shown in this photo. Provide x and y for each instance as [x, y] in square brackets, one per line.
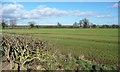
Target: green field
[100, 45]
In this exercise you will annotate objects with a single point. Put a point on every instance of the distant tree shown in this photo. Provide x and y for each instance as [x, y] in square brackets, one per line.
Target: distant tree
[37, 26]
[12, 23]
[84, 23]
[105, 26]
[93, 26]
[4, 24]
[59, 25]
[31, 23]
[115, 26]
[75, 24]
[81, 23]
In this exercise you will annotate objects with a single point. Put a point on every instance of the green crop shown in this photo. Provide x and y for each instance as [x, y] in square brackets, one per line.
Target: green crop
[28, 53]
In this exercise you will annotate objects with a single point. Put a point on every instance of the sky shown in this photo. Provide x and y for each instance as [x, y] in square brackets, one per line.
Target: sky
[66, 13]
[61, 0]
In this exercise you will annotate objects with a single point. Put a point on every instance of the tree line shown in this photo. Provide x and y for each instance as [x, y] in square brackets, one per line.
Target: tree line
[84, 23]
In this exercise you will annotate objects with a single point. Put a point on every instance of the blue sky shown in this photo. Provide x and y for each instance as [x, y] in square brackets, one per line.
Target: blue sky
[61, 0]
[64, 12]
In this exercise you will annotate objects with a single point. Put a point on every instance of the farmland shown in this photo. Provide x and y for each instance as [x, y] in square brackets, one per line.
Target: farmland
[99, 45]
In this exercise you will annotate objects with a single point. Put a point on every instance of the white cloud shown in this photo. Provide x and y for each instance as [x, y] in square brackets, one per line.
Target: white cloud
[83, 13]
[116, 5]
[104, 16]
[17, 11]
[42, 11]
[9, 10]
[10, 7]
[91, 14]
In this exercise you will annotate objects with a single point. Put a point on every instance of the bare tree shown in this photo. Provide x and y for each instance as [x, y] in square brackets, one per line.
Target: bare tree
[13, 23]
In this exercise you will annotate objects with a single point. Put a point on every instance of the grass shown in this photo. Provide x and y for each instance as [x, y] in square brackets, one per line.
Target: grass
[95, 44]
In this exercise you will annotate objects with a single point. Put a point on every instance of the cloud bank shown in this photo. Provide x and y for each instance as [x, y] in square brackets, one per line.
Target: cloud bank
[17, 11]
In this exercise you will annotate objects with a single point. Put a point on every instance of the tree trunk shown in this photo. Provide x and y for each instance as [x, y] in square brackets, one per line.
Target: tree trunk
[18, 67]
